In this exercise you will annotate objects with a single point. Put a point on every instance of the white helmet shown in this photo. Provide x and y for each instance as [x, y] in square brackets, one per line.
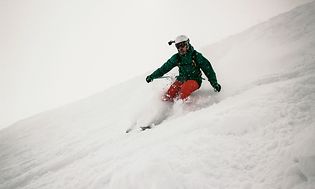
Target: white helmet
[181, 38]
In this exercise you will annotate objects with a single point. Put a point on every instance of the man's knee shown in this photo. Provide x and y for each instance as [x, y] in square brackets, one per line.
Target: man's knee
[173, 91]
[187, 88]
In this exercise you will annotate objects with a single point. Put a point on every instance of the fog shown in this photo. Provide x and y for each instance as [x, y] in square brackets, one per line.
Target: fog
[56, 52]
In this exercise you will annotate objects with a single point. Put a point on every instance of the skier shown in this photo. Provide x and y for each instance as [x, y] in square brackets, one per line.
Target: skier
[190, 63]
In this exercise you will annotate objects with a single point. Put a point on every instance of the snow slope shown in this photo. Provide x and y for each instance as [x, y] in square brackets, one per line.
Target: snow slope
[257, 133]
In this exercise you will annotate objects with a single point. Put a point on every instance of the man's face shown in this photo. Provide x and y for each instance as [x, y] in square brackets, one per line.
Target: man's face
[182, 48]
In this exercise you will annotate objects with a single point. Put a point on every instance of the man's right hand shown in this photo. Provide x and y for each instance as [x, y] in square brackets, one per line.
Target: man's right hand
[149, 79]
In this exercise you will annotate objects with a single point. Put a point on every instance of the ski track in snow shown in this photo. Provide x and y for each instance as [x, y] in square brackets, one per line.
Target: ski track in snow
[257, 133]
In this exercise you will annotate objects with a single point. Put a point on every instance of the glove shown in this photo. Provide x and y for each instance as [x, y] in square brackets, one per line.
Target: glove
[149, 79]
[217, 87]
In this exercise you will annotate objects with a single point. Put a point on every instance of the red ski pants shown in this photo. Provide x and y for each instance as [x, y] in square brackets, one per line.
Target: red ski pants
[181, 90]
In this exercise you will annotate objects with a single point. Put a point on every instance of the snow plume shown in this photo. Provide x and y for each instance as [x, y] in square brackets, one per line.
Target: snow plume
[257, 133]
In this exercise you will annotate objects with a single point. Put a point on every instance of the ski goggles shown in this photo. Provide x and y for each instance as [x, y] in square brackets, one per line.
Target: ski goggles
[181, 45]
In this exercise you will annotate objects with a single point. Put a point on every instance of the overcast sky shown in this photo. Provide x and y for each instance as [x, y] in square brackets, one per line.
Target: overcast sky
[54, 52]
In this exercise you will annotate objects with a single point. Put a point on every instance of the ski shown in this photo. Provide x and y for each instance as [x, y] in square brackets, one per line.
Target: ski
[142, 128]
[146, 127]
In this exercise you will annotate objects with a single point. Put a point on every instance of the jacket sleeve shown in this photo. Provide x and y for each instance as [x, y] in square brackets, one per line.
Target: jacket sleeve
[207, 69]
[166, 67]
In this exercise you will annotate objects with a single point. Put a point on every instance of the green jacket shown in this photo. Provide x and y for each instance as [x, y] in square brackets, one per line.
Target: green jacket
[188, 69]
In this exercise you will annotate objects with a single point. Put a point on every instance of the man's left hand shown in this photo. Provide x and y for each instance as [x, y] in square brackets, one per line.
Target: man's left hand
[217, 87]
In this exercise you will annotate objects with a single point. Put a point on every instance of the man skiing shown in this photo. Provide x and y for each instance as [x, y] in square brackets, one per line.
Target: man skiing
[190, 63]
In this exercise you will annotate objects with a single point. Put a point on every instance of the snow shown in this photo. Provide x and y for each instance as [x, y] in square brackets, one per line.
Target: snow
[257, 133]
